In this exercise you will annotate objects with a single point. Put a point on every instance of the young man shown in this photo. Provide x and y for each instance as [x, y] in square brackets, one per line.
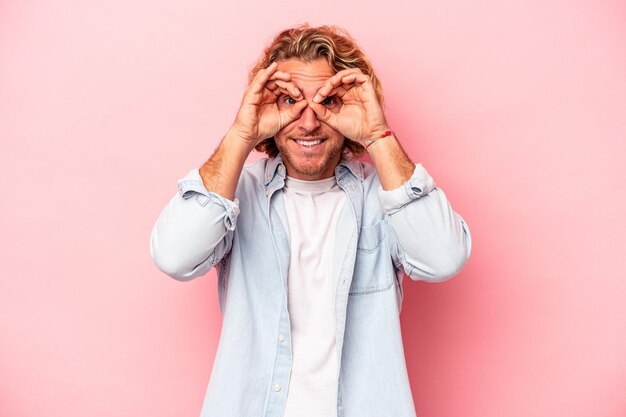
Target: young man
[310, 245]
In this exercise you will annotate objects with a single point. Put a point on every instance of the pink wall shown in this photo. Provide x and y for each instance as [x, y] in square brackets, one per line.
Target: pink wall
[518, 110]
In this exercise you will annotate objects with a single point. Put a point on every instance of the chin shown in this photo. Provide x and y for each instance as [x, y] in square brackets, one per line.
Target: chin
[308, 168]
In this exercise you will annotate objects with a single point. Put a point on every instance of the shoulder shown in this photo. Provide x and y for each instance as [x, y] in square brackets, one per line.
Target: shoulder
[255, 171]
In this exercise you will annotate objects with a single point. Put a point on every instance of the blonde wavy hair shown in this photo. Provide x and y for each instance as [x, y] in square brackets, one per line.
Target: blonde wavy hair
[307, 44]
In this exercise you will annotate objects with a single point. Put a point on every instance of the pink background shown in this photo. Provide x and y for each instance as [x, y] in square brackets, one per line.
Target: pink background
[517, 108]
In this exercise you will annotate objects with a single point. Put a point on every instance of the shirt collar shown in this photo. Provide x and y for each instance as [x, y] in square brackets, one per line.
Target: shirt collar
[272, 167]
[351, 165]
[275, 166]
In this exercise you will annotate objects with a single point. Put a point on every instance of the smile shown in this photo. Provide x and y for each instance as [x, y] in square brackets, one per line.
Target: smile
[308, 143]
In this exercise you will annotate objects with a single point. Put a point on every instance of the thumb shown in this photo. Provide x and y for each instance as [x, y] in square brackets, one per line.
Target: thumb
[294, 111]
[324, 115]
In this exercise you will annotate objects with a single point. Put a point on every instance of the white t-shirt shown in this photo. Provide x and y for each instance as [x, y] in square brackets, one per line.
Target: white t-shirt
[313, 209]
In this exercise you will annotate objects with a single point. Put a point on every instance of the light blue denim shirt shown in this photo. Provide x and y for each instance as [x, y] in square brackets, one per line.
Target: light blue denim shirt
[381, 236]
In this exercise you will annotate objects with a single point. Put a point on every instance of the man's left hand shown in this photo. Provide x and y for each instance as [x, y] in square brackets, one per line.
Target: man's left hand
[360, 116]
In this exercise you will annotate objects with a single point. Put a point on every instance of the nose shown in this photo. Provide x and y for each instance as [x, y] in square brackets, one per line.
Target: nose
[308, 121]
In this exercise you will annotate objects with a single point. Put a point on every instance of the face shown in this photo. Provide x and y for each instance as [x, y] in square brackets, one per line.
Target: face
[309, 148]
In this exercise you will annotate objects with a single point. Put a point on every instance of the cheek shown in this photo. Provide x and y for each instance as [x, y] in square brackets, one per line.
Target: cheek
[281, 135]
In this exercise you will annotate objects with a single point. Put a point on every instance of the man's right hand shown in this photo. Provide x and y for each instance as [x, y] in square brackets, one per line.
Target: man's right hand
[259, 116]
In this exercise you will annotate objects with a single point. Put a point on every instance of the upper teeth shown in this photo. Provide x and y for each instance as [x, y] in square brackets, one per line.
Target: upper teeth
[309, 142]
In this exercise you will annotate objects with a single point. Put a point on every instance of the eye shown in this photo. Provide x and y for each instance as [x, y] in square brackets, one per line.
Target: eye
[284, 101]
[329, 101]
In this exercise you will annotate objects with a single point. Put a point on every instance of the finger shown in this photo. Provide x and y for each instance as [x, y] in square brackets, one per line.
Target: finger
[278, 92]
[348, 82]
[341, 90]
[334, 82]
[365, 82]
[281, 75]
[336, 79]
[261, 77]
[283, 86]
[337, 92]
[293, 112]
[324, 115]
[355, 78]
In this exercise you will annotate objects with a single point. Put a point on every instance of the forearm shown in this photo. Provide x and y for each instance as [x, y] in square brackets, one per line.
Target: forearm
[430, 240]
[221, 172]
[393, 166]
[434, 241]
[193, 231]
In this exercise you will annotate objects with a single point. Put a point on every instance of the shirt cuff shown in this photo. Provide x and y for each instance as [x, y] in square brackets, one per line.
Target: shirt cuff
[192, 187]
[420, 184]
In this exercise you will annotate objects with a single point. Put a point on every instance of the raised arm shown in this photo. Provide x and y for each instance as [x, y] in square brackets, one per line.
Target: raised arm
[259, 118]
[195, 230]
[429, 240]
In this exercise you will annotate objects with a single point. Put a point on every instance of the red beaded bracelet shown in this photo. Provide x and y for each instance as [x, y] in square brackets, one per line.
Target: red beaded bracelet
[384, 135]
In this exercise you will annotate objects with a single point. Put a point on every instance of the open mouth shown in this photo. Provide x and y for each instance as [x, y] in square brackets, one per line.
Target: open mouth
[309, 143]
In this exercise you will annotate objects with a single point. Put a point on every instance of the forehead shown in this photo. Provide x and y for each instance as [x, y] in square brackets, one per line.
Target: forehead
[306, 74]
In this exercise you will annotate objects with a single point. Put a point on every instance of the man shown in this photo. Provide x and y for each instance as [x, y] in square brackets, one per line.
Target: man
[310, 245]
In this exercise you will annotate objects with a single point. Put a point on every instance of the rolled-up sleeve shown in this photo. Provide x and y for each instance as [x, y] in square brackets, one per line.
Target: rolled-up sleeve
[428, 240]
[194, 230]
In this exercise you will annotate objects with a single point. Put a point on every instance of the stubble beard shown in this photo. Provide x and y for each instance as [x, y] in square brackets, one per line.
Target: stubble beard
[309, 167]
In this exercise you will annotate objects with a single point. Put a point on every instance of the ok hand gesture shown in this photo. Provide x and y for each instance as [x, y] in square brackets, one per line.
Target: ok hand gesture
[361, 117]
[259, 116]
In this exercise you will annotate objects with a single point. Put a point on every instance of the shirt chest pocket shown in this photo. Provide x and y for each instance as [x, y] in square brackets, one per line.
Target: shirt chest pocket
[373, 268]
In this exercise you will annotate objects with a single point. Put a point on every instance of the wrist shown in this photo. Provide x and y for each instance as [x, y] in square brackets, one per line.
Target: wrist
[379, 131]
[237, 138]
[376, 136]
[238, 144]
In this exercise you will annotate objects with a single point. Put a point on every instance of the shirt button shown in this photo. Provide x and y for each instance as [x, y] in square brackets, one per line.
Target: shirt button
[277, 387]
[281, 338]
